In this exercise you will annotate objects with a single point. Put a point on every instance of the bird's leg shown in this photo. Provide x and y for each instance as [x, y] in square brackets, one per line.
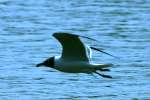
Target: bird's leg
[102, 75]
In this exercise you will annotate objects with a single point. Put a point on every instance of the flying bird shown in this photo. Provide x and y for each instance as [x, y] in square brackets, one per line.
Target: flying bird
[75, 56]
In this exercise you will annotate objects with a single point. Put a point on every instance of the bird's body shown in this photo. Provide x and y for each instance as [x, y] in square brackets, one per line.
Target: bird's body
[75, 57]
[77, 66]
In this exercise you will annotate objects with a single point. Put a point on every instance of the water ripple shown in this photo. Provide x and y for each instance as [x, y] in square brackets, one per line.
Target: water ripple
[121, 27]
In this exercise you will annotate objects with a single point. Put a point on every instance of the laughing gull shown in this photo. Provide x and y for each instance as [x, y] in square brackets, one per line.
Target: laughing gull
[75, 57]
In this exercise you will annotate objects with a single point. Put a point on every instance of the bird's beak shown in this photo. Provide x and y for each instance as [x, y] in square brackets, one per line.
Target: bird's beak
[40, 64]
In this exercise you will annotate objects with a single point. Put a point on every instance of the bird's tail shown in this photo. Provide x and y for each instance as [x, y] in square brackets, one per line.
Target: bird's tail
[102, 67]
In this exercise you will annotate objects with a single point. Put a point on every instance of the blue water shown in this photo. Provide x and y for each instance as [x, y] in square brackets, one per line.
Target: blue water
[121, 26]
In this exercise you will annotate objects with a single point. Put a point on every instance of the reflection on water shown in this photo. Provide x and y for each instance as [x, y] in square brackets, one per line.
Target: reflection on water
[122, 27]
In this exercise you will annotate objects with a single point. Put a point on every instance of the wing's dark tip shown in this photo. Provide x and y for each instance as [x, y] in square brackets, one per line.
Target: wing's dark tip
[88, 38]
[97, 49]
[70, 34]
[64, 33]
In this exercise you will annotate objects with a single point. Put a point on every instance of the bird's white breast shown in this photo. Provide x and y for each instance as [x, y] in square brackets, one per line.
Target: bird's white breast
[72, 66]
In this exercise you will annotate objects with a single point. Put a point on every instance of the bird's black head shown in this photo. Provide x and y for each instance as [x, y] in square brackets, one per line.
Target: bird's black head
[48, 62]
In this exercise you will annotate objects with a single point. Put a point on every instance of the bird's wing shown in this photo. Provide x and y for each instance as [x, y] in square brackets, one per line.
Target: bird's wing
[73, 48]
[89, 52]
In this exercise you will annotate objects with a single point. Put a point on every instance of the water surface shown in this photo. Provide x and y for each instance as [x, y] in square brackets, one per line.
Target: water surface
[122, 28]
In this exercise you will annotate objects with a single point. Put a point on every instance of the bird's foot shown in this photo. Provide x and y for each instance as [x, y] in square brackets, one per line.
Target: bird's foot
[104, 76]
